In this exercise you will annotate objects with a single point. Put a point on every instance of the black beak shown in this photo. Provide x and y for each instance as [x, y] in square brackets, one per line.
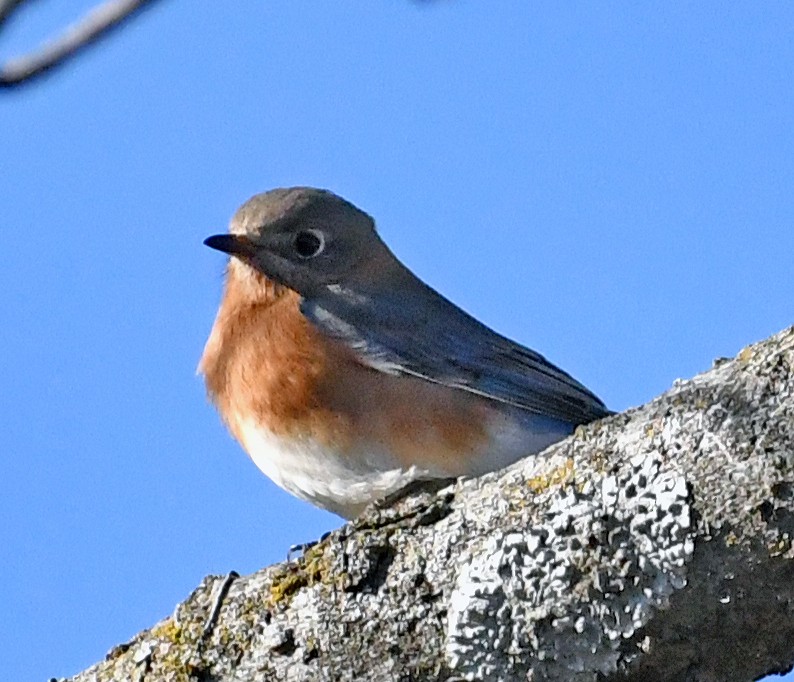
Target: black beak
[230, 243]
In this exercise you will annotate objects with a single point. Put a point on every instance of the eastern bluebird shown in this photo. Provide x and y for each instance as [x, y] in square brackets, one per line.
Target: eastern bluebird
[346, 378]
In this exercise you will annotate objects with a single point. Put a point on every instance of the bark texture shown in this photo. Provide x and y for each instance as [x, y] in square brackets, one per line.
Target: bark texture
[653, 545]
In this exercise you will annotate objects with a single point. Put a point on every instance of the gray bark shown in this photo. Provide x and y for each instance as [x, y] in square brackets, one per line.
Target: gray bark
[653, 545]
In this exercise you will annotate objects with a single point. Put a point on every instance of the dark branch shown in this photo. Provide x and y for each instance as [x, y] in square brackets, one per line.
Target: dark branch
[98, 23]
[7, 8]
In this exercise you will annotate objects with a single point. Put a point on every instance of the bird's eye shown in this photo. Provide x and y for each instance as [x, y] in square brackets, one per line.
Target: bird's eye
[309, 243]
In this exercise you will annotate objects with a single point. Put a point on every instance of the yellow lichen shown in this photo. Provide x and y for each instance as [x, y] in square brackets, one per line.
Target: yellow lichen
[312, 568]
[170, 631]
[557, 476]
[731, 539]
[780, 547]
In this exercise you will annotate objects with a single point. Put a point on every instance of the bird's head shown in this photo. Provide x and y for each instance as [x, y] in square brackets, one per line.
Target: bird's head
[304, 239]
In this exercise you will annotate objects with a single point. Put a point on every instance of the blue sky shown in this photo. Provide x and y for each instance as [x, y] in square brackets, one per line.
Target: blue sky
[610, 185]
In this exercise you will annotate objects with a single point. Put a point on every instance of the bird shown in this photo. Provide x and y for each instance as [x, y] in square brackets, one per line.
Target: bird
[347, 379]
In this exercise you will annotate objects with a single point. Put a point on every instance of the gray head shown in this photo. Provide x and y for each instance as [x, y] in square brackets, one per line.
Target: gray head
[302, 238]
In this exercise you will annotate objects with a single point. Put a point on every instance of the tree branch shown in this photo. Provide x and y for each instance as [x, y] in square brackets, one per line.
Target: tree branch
[96, 24]
[7, 8]
[654, 545]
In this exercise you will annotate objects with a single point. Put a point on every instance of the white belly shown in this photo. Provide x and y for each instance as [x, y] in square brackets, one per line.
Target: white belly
[341, 484]
[345, 483]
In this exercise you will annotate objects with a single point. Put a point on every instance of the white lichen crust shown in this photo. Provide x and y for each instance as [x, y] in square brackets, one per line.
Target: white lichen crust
[556, 596]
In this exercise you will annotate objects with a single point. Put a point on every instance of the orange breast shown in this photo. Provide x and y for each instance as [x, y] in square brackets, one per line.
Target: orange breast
[264, 361]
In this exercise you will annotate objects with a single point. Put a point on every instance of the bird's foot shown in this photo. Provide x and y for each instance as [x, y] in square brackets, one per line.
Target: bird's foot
[299, 550]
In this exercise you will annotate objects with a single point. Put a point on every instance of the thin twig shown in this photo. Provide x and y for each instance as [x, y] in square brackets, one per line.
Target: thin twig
[7, 7]
[220, 595]
[96, 24]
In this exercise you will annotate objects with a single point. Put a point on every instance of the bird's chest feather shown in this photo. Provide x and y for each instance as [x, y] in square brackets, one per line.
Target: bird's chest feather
[333, 431]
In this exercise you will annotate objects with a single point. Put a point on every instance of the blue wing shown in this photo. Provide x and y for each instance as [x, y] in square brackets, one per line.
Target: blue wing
[418, 332]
